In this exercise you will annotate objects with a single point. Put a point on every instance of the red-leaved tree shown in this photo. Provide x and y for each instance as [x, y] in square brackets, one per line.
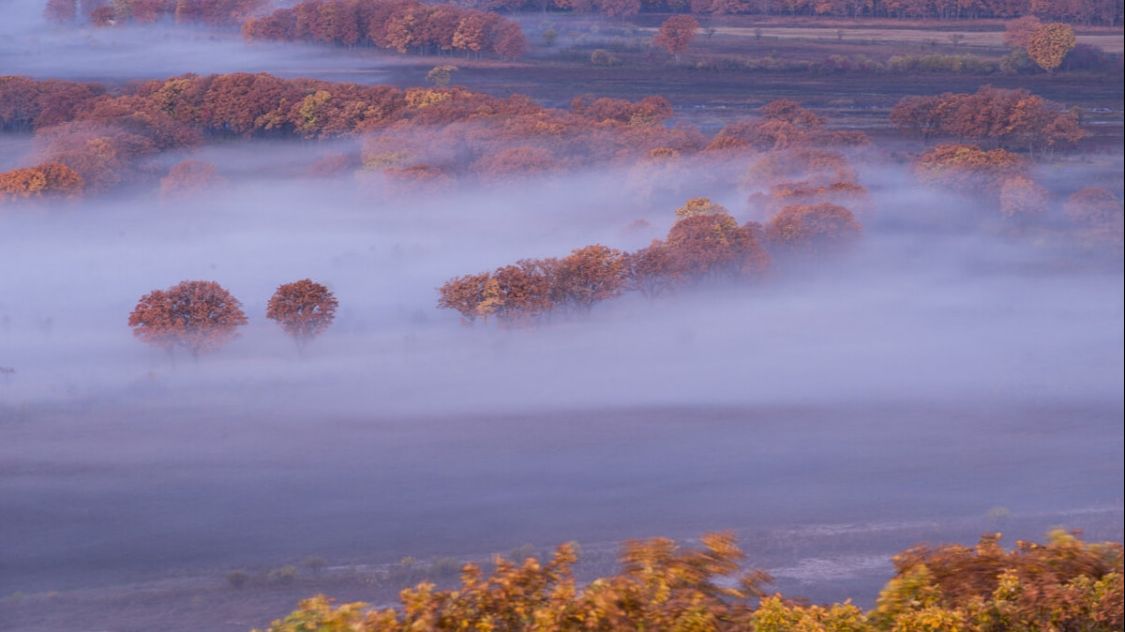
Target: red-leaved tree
[304, 309]
[196, 315]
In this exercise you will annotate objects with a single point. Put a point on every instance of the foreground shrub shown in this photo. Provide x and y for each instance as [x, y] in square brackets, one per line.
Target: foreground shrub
[1065, 584]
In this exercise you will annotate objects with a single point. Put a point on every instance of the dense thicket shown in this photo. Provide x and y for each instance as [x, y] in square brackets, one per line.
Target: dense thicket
[1012, 119]
[1065, 584]
[401, 25]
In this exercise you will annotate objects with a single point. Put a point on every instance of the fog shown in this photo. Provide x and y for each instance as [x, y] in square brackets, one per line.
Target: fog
[31, 46]
[946, 370]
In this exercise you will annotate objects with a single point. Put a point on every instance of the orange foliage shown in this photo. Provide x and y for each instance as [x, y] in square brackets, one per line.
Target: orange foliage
[676, 33]
[196, 315]
[304, 309]
[812, 227]
[714, 246]
[48, 179]
[966, 167]
[1015, 119]
[1049, 44]
[400, 25]
[588, 275]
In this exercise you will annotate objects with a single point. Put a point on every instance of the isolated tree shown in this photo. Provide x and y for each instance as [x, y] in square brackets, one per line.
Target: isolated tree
[676, 34]
[304, 309]
[1049, 45]
[196, 315]
[1022, 198]
[440, 76]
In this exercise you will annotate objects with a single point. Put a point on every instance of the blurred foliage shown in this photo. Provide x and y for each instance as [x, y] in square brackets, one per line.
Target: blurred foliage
[1063, 585]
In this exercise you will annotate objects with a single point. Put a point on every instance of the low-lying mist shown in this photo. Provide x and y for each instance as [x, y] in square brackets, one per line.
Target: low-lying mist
[941, 371]
[29, 45]
[929, 306]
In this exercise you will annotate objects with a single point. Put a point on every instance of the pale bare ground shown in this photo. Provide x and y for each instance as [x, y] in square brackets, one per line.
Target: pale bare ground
[1112, 43]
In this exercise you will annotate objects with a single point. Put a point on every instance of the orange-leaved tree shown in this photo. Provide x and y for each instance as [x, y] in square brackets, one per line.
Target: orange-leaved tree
[1049, 44]
[304, 309]
[676, 34]
[813, 227]
[196, 315]
[588, 275]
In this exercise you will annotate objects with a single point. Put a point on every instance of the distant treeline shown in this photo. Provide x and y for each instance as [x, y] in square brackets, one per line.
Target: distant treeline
[1108, 12]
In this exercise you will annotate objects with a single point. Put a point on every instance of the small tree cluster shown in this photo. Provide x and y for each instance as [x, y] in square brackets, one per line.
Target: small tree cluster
[400, 25]
[1065, 584]
[707, 244]
[1013, 119]
[201, 316]
[51, 179]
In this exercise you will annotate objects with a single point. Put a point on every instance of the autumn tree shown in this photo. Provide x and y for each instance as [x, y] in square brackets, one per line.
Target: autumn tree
[676, 34]
[588, 275]
[700, 206]
[1049, 44]
[1022, 198]
[304, 309]
[812, 227]
[1013, 119]
[650, 270]
[967, 167]
[714, 246]
[441, 75]
[50, 179]
[196, 315]
[465, 294]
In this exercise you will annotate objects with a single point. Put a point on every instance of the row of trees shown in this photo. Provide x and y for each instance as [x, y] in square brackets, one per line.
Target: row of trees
[1065, 584]
[1076, 11]
[109, 12]
[1096, 213]
[705, 244]
[218, 12]
[412, 132]
[201, 316]
[401, 25]
[1012, 119]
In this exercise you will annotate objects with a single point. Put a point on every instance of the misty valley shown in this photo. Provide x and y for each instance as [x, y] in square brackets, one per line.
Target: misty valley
[388, 315]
